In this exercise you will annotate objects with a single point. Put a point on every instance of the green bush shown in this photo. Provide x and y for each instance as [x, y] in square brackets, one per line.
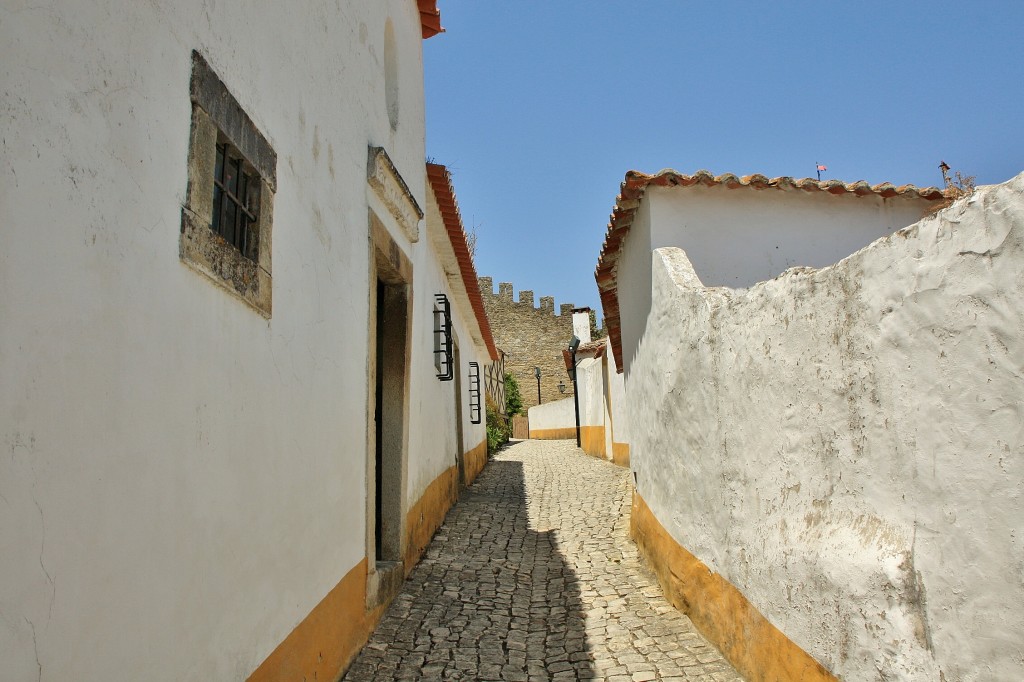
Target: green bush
[513, 398]
[497, 429]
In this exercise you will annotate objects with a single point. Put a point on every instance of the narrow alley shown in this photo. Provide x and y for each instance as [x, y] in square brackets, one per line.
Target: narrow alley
[533, 577]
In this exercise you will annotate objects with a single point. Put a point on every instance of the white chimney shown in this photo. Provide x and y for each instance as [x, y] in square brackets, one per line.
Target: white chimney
[581, 324]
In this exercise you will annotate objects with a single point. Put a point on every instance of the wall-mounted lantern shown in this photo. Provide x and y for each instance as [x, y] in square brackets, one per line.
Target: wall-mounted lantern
[536, 373]
[561, 387]
[474, 393]
[443, 338]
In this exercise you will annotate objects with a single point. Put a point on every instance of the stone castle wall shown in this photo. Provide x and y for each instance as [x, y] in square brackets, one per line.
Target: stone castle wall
[531, 337]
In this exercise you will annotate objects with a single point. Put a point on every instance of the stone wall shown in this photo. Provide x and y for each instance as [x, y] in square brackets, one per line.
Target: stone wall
[531, 337]
[844, 447]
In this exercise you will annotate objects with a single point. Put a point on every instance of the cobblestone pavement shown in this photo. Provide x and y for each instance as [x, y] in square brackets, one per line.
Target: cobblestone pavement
[533, 577]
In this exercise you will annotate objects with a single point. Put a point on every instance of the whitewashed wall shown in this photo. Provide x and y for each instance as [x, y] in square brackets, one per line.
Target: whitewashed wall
[602, 400]
[182, 479]
[846, 445]
[634, 283]
[432, 407]
[591, 387]
[432, 410]
[737, 237]
[616, 395]
[560, 414]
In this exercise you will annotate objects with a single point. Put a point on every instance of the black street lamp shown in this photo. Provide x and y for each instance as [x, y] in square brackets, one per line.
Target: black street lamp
[536, 373]
[574, 343]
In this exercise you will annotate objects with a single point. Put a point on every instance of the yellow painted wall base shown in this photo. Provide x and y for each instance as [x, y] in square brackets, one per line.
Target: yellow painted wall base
[592, 441]
[755, 647]
[620, 454]
[475, 460]
[428, 513]
[554, 434]
[323, 645]
[591, 438]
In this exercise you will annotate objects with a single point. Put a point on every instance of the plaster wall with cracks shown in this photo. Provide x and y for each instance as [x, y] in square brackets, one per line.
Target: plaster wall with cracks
[848, 441]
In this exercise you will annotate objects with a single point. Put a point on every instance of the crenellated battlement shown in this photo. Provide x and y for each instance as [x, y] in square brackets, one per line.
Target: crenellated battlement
[506, 295]
[532, 336]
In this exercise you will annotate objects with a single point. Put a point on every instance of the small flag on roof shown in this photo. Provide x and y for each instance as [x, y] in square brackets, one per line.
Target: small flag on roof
[822, 167]
[819, 167]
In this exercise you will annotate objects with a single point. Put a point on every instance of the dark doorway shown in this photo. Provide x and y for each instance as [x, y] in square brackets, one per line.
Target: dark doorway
[389, 415]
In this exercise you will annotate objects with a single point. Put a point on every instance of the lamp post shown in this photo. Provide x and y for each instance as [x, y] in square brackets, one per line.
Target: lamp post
[574, 343]
[536, 373]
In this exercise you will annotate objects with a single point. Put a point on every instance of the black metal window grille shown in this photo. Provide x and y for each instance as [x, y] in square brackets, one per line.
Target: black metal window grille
[443, 338]
[236, 200]
[474, 392]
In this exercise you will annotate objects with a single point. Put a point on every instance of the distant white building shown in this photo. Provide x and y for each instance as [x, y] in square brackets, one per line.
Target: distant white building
[603, 429]
[228, 288]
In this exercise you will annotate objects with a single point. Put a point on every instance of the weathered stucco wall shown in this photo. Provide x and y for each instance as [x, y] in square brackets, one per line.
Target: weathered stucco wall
[183, 480]
[846, 445]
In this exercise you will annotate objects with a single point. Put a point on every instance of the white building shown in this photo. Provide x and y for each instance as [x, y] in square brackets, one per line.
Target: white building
[599, 397]
[736, 232]
[221, 265]
[828, 461]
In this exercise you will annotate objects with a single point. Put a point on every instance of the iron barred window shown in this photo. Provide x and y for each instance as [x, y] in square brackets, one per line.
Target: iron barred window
[443, 354]
[236, 200]
[227, 215]
[475, 410]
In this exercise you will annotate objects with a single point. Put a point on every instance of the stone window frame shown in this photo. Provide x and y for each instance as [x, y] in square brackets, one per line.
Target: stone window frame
[218, 119]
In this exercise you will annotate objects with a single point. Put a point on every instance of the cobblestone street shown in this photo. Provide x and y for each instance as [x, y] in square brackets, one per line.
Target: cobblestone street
[533, 577]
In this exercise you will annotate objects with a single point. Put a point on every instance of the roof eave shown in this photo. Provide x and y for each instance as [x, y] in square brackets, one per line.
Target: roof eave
[440, 182]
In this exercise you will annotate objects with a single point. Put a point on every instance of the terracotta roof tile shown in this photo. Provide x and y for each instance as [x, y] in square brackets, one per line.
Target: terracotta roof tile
[636, 183]
[441, 183]
[592, 349]
[430, 18]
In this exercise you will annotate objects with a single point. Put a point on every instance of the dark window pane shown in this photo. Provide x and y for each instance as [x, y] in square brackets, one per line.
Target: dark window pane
[236, 199]
[217, 196]
[236, 237]
[243, 184]
[231, 179]
[218, 173]
[229, 219]
[243, 220]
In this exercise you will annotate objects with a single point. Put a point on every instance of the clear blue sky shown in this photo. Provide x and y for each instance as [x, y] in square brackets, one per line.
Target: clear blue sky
[539, 107]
